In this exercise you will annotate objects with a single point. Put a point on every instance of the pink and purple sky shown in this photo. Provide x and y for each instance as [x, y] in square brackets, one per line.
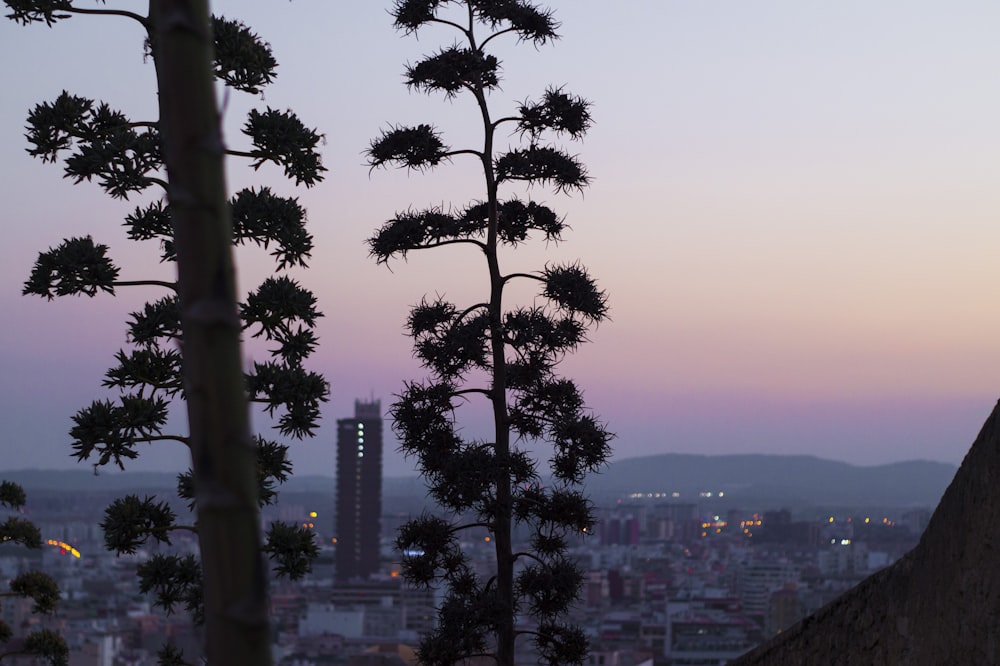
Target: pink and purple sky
[795, 210]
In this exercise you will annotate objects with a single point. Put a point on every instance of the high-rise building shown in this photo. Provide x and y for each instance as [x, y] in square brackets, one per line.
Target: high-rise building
[359, 492]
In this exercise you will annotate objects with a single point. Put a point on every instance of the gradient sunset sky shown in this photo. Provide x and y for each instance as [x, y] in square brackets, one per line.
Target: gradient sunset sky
[795, 210]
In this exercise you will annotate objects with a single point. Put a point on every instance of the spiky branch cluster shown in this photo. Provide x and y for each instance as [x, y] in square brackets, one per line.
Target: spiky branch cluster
[496, 484]
[98, 143]
[35, 585]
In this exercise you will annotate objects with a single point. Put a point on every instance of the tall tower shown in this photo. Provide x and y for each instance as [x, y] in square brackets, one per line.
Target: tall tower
[359, 491]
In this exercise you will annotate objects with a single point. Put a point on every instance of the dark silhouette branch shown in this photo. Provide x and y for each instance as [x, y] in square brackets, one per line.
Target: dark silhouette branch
[460, 528]
[109, 12]
[464, 151]
[242, 153]
[532, 556]
[530, 276]
[182, 528]
[481, 391]
[451, 23]
[494, 36]
[508, 119]
[163, 438]
[453, 241]
[146, 283]
[472, 308]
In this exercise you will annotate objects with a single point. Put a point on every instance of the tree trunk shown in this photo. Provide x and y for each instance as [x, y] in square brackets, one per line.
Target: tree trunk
[502, 529]
[235, 581]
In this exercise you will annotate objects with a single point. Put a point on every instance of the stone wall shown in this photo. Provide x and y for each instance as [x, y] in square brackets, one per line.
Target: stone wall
[939, 604]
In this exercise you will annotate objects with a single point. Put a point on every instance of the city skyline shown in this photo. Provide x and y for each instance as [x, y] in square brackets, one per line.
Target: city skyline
[794, 212]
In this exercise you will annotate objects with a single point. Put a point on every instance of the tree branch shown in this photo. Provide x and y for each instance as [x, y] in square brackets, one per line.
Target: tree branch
[471, 309]
[481, 391]
[530, 276]
[146, 283]
[110, 12]
[508, 119]
[144, 382]
[454, 25]
[429, 246]
[495, 34]
[459, 528]
[186, 528]
[464, 151]
[532, 556]
[161, 438]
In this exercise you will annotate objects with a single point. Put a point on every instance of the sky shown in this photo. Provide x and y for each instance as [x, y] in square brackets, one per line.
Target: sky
[794, 210]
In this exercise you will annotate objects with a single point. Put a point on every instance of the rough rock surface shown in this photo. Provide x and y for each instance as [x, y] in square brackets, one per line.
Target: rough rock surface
[939, 604]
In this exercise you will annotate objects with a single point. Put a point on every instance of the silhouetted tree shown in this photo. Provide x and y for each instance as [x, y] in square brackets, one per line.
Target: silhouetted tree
[35, 585]
[187, 344]
[505, 355]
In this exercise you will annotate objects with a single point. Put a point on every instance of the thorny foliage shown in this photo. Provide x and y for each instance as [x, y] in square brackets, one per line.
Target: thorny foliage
[96, 142]
[482, 484]
[43, 644]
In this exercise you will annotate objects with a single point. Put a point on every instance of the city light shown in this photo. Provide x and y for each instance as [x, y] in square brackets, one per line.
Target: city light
[64, 547]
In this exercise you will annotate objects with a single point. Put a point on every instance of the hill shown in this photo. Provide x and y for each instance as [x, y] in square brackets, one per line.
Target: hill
[798, 480]
[759, 480]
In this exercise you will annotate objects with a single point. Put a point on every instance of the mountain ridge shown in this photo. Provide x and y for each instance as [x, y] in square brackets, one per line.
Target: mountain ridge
[801, 478]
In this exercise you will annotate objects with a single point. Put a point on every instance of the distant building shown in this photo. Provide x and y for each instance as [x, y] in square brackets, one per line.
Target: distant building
[784, 608]
[757, 580]
[389, 608]
[359, 492]
[706, 631]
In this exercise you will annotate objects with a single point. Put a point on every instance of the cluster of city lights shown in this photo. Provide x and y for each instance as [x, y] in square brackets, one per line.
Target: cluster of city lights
[868, 520]
[674, 495]
[309, 525]
[715, 524]
[748, 525]
[662, 495]
[64, 547]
